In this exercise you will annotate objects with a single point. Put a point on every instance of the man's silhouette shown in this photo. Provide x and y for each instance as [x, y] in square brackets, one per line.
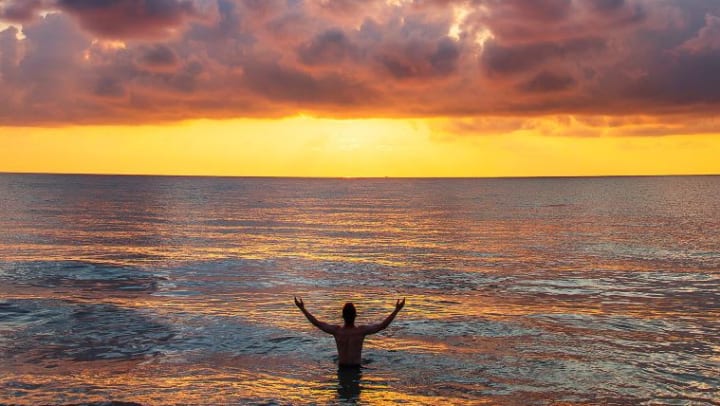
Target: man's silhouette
[349, 337]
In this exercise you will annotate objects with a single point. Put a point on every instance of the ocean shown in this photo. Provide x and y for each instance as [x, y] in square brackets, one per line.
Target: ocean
[179, 290]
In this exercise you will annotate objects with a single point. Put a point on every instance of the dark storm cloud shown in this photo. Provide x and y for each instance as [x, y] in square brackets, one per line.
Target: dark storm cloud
[529, 21]
[109, 87]
[606, 5]
[444, 59]
[159, 56]
[280, 83]
[128, 18]
[684, 80]
[421, 60]
[545, 82]
[328, 47]
[106, 61]
[47, 74]
[536, 10]
[19, 10]
[8, 54]
[502, 59]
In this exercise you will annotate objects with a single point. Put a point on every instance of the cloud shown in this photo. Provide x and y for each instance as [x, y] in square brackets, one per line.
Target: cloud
[159, 57]
[109, 87]
[278, 83]
[606, 6]
[545, 82]
[537, 10]
[19, 10]
[328, 47]
[499, 59]
[579, 126]
[111, 61]
[129, 18]
[420, 59]
[707, 39]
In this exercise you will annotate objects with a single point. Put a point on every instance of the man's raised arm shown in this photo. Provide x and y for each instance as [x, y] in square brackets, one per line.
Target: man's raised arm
[328, 328]
[375, 328]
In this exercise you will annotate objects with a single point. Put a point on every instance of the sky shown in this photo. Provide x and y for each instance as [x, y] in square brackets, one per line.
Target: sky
[355, 88]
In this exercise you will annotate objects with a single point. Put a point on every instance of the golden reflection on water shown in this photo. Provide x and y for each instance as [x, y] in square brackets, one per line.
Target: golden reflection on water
[517, 292]
[165, 383]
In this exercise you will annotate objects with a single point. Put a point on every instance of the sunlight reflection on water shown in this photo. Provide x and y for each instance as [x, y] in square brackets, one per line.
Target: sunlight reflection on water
[179, 290]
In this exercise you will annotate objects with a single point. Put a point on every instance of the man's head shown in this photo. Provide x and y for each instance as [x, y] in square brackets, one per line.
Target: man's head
[349, 313]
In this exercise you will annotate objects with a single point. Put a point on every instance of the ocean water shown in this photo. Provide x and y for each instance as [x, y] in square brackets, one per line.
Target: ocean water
[167, 290]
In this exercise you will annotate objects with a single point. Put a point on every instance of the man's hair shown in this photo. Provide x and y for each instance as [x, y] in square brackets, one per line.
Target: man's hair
[349, 313]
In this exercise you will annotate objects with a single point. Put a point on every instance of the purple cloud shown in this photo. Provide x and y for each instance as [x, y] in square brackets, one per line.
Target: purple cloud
[106, 61]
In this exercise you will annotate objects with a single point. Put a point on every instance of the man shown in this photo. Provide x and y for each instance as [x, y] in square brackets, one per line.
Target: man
[349, 337]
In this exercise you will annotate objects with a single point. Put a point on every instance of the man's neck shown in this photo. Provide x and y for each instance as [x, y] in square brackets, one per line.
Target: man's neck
[351, 325]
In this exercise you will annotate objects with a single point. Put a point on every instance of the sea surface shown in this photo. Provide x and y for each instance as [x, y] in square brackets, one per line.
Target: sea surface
[175, 290]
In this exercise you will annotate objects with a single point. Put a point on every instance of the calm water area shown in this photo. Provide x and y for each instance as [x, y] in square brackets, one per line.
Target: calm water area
[179, 290]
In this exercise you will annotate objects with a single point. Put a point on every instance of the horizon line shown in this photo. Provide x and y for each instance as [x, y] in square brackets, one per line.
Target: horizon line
[359, 177]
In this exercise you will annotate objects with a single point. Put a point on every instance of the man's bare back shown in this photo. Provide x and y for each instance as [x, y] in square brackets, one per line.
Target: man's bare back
[349, 338]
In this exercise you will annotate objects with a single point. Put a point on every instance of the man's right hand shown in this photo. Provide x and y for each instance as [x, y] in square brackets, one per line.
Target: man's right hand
[299, 303]
[399, 304]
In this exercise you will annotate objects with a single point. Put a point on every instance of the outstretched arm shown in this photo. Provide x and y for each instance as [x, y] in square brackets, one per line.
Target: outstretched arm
[375, 328]
[328, 328]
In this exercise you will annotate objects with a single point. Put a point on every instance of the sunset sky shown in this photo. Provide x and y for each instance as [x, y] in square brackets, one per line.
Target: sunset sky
[360, 88]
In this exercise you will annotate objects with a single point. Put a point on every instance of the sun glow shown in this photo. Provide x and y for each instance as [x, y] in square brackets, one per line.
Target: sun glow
[316, 147]
[459, 15]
